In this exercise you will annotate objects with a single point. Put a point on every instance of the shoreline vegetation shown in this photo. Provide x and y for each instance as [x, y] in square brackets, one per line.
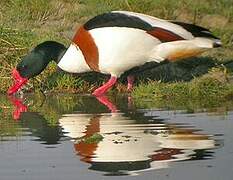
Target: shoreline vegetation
[24, 24]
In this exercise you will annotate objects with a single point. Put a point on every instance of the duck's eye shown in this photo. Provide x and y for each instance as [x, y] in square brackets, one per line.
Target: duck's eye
[24, 66]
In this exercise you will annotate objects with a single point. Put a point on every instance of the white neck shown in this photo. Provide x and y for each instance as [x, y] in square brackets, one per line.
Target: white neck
[73, 61]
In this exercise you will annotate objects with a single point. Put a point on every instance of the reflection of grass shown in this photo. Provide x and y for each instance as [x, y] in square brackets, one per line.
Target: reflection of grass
[210, 90]
[8, 127]
[95, 138]
[53, 107]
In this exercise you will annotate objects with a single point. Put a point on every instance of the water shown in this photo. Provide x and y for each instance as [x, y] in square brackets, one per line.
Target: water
[81, 137]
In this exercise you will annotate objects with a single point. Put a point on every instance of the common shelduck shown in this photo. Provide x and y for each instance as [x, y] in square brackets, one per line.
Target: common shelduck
[114, 42]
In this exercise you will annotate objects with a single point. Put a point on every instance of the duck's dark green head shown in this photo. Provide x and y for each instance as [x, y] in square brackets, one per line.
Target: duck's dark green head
[35, 62]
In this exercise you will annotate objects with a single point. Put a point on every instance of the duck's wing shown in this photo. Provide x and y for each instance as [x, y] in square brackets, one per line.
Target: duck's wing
[163, 30]
[117, 19]
[184, 30]
[195, 30]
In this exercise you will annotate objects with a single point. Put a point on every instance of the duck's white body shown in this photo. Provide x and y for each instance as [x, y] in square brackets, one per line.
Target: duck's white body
[116, 52]
[113, 47]
[118, 41]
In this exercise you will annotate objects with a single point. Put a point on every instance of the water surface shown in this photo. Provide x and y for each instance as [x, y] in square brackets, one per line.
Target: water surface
[81, 137]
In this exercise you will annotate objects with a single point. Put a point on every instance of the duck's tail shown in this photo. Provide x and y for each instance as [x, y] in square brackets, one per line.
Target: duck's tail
[202, 40]
[201, 33]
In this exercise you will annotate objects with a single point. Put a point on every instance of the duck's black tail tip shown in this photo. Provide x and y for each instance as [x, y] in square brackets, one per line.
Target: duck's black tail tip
[217, 43]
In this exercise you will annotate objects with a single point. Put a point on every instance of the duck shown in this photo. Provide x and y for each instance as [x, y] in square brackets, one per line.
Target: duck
[113, 43]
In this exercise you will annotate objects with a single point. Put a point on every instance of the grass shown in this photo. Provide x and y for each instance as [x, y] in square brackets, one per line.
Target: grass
[212, 89]
[24, 24]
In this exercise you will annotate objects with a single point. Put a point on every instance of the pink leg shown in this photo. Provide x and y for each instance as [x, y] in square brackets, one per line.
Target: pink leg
[130, 80]
[103, 89]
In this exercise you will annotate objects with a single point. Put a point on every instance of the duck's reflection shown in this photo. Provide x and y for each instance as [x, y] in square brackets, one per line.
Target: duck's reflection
[122, 143]
[129, 146]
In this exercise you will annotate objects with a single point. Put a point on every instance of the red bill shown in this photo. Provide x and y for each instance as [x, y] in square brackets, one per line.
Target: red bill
[19, 81]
